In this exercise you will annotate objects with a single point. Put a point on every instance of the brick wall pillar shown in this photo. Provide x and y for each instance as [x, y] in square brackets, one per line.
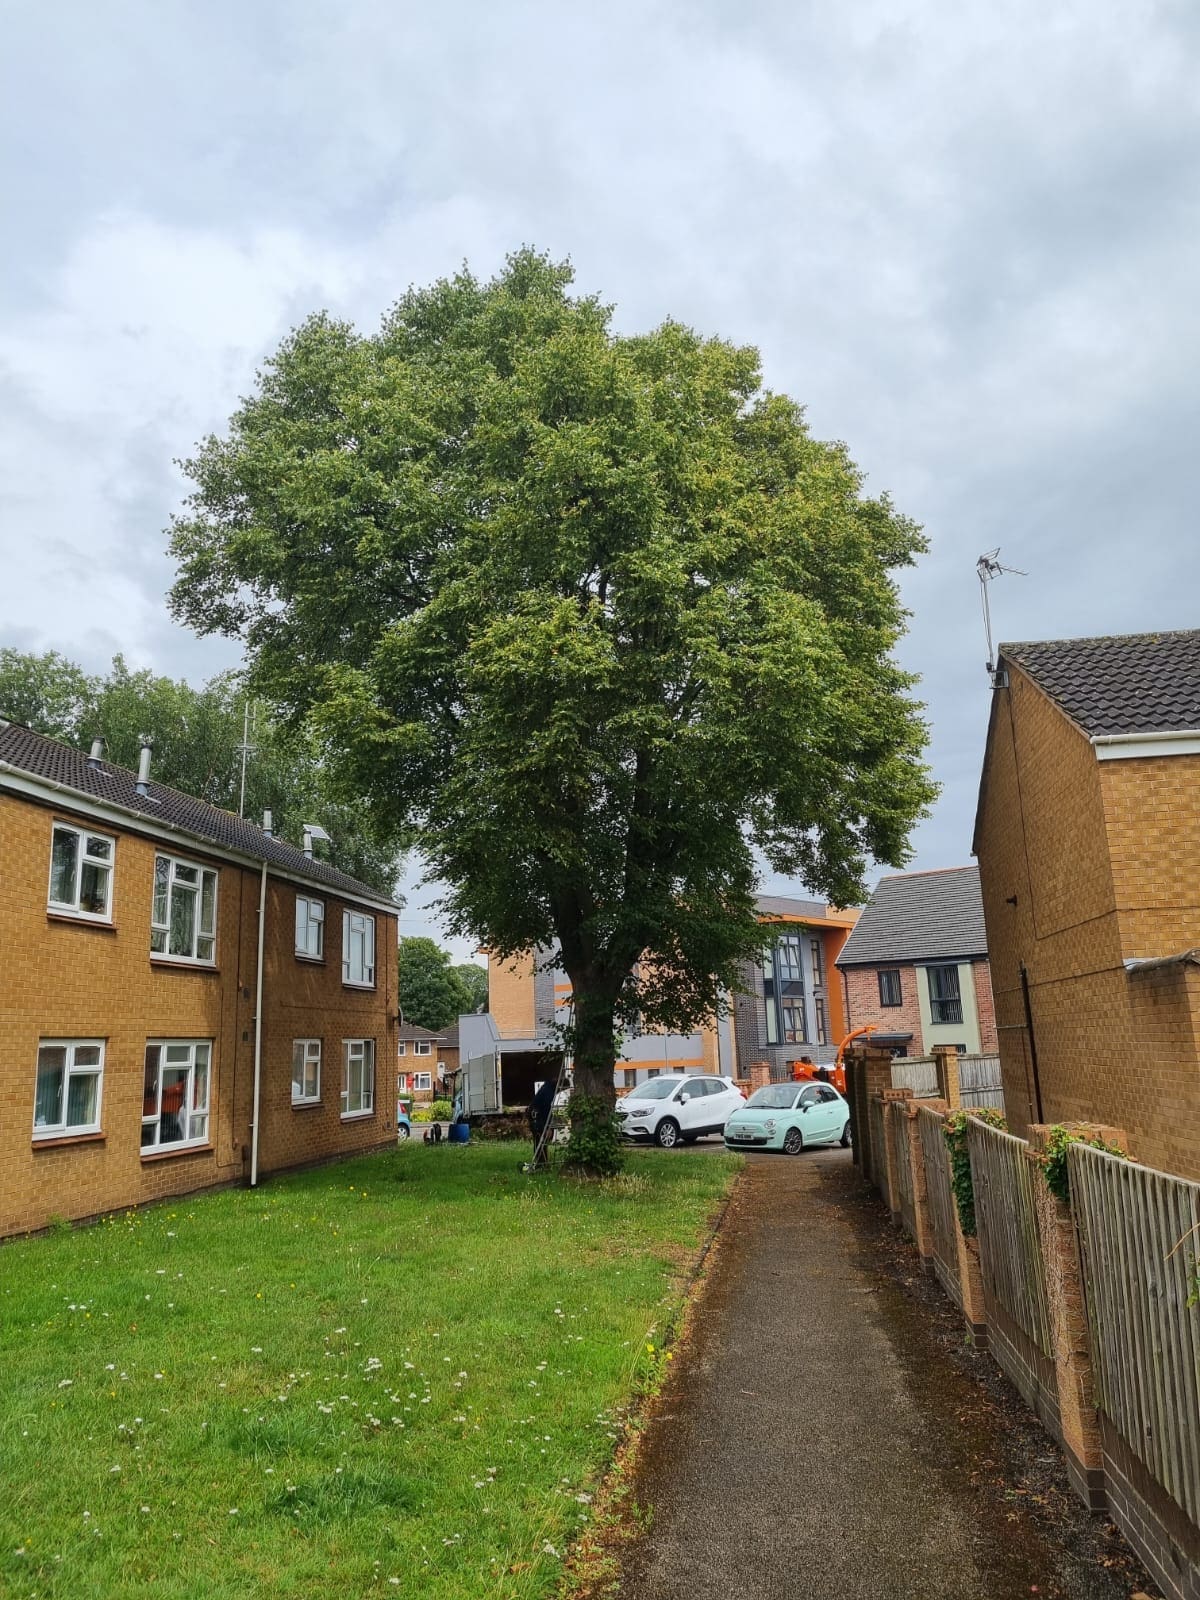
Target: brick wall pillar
[1068, 1322]
[760, 1073]
[945, 1060]
[876, 1077]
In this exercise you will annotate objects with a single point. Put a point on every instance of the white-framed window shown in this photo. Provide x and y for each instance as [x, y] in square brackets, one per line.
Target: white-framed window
[70, 1074]
[81, 867]
[358, 949]
[310, 927]
[422, 1047]
[306, 1071]
[402, 1048]
[358, 1077]
[183, 922]
[175, 1093]
[422, 1080]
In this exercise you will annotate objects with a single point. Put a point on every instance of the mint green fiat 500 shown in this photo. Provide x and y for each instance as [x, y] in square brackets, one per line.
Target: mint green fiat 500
[789, 1116]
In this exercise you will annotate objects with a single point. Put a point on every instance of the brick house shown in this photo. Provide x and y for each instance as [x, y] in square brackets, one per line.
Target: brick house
[129, 915]
[916, 964]
[791, 1005]
[419, 1054]
[1088, 839]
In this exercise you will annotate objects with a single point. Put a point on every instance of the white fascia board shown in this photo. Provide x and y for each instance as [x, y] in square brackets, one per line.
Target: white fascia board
[1129, 746]
[118, 816]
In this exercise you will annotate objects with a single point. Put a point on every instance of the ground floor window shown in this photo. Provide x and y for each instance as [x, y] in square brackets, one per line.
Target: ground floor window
[629, 1077]
[175, 1093]
[358, 1077]
[306, 1071]
[422, 1080]
[67, 1100]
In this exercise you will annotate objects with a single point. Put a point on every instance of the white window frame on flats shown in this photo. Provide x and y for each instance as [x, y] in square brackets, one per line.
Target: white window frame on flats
[310, 921]
[423, 1047]
[306, 1054]
[85, 840]
[194, 1058]
[171, 878]
[358, 1078]
[358, 950]
[73, 1070]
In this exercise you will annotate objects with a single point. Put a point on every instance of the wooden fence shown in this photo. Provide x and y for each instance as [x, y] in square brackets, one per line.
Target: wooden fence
[980, 1083]
[875, 1137]
[918, 1073]
[896, 1119]
[1139, 1233]
[940, 1198]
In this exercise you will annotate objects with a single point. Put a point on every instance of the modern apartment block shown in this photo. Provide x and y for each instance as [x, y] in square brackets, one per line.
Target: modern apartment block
[1088, 839]
[916, 965]
[168, 968]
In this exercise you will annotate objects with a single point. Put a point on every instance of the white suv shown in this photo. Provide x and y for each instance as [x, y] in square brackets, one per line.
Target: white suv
[674, 1108]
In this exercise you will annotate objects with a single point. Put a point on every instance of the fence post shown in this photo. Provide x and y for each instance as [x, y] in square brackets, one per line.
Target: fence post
[1068, 1322]
[760, 1074]
[945, 1060]
[891, 1134]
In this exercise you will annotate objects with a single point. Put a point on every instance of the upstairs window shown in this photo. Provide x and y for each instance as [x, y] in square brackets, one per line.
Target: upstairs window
[945, 1000]
[358, 949]
[818, 967]
[310, 927]
[69, 1074]
[423, 1047]
[822, 1023]
[81, 866]
[183, 922]
[794, 1028]
[889, 986]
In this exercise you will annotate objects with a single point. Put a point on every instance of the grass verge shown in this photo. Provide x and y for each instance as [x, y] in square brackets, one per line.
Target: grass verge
[403, 1374]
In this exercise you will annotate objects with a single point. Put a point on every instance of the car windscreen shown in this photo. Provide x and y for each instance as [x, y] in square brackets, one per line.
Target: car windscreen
[774, 1097]
[656, 1089]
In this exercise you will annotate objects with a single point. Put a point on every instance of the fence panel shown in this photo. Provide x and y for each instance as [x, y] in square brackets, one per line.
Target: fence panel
[1140, 1236]
[905, 1200]
[1010, 1254]
[876, 1135]
[980, 1083]
[941, 1201]
[918, 1073]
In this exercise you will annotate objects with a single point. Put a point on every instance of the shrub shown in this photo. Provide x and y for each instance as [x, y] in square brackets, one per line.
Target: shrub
[594, 1146]
[441, 1111]
[954, 1131]
[1053, 1158]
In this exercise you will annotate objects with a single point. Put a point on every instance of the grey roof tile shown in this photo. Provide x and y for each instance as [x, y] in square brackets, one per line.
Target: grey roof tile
[1131, 683]
[919, 916]
[61, 764]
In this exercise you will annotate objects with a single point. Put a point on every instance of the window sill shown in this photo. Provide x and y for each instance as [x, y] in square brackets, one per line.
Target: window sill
[182, 964]
[80, 919]
[306, 1105]
[312, 961]
[357, 1116]
[56, 1141]
[153, 1154]
[347, 984]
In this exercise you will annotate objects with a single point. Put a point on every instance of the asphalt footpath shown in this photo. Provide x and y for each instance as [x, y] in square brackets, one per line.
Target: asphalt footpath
[824, 1432]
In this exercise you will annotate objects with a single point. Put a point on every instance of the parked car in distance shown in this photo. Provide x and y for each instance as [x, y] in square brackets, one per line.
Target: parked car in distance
[403, 1119]
[789, 1116]
[678, 1108]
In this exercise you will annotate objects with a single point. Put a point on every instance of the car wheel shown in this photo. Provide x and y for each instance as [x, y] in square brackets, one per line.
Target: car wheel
[793, 1142]
[845, 1141]
[666, 1135]
[403, 1131]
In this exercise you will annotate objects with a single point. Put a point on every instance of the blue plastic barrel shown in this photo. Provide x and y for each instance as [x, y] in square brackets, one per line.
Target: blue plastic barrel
[460, 1132]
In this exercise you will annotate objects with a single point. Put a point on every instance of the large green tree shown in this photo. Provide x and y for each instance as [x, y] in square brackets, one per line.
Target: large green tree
[431, 992]
[197, 736]
[595, 611]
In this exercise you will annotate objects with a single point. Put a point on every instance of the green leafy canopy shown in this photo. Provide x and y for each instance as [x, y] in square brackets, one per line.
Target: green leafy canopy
[594, 612]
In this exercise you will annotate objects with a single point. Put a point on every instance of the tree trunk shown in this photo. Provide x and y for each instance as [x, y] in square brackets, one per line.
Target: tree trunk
[595, 1144]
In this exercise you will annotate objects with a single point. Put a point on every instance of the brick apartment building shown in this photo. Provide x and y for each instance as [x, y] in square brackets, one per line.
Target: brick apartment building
[791, 1006]
[129, 916]
[916, 965]
[1088, 839]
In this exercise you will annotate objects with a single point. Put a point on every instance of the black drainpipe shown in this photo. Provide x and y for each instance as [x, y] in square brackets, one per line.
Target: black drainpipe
[1033, 1060]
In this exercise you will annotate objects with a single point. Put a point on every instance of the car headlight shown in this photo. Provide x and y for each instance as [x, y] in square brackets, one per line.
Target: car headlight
[770, 1124]
[639, 1113]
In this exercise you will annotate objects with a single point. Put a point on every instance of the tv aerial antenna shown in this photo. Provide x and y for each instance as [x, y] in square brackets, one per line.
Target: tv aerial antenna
[989, 567]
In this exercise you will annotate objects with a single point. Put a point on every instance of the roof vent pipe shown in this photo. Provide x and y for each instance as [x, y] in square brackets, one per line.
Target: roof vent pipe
[313, 830]
[143, 775]
[96, 756]
[268, 823]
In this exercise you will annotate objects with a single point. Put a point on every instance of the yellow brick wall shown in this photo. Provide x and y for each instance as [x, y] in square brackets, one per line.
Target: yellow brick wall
[511, 997]
[65, 979]
[1048, 812]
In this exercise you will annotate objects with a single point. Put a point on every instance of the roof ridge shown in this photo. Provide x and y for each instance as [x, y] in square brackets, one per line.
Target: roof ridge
[1103, 638]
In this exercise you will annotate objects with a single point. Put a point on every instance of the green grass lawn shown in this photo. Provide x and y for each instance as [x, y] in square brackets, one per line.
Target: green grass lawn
[399, 1374]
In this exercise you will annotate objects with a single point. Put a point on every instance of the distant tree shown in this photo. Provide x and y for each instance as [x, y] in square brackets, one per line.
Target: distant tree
[197, 735]
[474, 981]
[595, 611]
[431, 992]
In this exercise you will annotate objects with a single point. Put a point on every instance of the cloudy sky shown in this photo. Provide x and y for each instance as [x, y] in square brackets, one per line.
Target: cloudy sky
[967, 237]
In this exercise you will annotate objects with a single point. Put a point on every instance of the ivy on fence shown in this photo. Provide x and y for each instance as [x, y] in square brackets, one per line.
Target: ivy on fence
[954, 1131]
[1053, 1157]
